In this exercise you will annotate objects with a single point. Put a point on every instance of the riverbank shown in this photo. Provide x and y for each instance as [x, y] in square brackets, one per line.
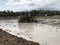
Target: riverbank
[48, 17]
[8, 39]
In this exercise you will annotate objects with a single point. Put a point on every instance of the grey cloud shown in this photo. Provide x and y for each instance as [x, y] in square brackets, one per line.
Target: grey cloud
[36, 4]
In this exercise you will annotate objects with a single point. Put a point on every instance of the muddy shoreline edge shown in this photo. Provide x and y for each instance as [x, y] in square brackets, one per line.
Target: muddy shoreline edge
[8, 39]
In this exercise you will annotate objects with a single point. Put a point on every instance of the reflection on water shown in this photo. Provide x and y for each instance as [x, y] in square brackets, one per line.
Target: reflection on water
[42, 33]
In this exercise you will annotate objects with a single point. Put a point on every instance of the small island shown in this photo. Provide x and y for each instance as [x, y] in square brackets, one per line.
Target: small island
[27, 18]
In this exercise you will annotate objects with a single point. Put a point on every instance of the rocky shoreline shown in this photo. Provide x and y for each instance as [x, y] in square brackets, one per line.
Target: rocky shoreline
[8, 39]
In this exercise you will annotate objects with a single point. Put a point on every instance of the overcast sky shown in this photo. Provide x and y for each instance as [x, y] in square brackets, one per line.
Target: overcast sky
[24, 5]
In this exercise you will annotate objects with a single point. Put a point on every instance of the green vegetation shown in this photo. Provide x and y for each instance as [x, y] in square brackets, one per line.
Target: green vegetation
[33, 12]
[48, 17]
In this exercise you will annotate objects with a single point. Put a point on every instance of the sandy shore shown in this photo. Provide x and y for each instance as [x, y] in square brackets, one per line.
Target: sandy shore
[8, 39]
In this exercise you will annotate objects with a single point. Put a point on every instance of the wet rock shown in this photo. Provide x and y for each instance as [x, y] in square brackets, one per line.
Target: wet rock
[8, 39]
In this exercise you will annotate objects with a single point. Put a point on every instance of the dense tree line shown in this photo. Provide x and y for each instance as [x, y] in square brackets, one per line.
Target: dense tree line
[33, 12]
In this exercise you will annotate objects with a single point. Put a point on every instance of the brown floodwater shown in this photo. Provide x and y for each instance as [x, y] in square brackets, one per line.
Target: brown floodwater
[46, 32]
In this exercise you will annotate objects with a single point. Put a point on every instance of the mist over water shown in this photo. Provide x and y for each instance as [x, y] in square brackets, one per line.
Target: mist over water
[43, 32]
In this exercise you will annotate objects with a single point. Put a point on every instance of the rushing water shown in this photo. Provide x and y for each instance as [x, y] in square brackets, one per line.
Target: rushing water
[43, 33]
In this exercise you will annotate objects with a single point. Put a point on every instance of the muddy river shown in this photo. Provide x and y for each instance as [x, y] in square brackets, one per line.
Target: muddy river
[46, 31]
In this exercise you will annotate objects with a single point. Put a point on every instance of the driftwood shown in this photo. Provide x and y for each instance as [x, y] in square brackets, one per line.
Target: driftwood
[27, 18]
